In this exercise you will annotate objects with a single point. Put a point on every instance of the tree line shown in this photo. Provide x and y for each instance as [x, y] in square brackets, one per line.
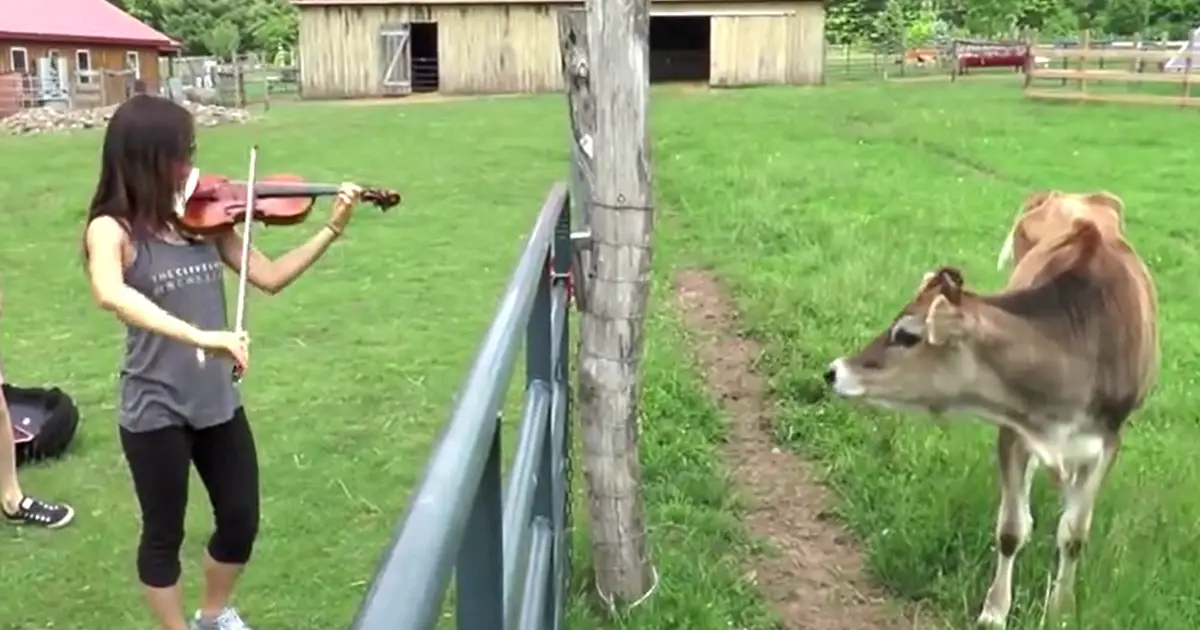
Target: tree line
[220, 27]
[918, 22]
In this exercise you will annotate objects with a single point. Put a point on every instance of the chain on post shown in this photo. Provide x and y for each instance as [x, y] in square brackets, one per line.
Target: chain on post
[576, 277]
[568, 280]
[573, 282]
[570, 286]
[569, 489]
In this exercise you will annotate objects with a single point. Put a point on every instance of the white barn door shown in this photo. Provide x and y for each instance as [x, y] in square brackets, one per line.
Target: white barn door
[396, 53]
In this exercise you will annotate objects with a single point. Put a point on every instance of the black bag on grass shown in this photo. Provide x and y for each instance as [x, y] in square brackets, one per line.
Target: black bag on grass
[44, 421]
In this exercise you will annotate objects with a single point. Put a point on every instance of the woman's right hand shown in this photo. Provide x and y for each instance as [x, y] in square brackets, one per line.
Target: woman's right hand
[234, 345]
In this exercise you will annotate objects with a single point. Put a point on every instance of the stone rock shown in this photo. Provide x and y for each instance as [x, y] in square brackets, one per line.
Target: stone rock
[204, 96]
[46, 119]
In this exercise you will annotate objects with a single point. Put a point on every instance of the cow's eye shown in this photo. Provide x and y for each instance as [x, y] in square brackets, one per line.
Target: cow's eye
[904, 338]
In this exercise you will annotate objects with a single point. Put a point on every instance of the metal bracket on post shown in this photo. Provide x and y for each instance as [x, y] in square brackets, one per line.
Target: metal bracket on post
[581, 268]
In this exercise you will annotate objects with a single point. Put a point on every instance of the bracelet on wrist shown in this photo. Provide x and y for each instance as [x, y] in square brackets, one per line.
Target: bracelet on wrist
[335, 229]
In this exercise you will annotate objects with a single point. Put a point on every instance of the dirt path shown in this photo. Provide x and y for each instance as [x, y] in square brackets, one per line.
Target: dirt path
[816, 581]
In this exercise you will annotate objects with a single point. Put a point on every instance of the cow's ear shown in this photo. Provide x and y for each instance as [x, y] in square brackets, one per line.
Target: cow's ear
[926, 282]
[943, 322]
[1007, 249]
[1038, 199]
[1106, 199]
[951, 282]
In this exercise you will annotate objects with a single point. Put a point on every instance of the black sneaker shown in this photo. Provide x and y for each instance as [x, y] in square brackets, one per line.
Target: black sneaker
[40, 514]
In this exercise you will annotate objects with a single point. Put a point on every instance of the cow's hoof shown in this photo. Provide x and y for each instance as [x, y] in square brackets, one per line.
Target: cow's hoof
[990, 620]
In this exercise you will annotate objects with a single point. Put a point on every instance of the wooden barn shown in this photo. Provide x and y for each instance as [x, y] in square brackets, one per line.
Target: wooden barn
[84, 52]
[373, 48]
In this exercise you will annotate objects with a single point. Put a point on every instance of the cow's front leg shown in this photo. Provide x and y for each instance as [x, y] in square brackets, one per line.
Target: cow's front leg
[1079, 501]
[1014, 522]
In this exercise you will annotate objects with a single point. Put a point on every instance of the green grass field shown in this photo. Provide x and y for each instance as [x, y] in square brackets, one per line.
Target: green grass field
[355, 366]
[821, 209]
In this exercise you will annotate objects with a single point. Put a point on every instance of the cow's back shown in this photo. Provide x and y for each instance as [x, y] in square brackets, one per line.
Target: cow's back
[1104, 313]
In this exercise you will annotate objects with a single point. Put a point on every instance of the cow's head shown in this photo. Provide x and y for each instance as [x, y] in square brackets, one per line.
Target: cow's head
[1048, 215]
[923, 360]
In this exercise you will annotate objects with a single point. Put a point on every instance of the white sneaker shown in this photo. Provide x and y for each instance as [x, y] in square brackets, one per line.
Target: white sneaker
[228, 619]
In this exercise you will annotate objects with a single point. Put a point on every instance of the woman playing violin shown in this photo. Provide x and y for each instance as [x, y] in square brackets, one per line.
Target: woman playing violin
[176, 411]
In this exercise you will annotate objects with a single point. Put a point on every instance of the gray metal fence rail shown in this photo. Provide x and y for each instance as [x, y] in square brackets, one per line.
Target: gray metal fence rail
[510, 553]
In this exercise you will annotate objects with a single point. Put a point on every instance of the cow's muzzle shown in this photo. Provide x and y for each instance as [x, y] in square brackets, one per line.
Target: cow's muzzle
[842, 379]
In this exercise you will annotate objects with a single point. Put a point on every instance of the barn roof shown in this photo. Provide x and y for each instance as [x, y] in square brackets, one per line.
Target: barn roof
[77, 22]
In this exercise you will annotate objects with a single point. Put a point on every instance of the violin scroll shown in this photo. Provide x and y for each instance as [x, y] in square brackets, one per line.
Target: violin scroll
[380, 198]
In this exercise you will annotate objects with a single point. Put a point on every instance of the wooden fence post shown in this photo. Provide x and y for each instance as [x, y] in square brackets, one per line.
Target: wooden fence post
[239, 86]
[1085, 45]
[1187, 75]
[581, 103]
[612, 54]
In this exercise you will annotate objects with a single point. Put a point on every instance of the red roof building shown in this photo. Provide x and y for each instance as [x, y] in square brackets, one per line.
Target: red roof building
[95, 48]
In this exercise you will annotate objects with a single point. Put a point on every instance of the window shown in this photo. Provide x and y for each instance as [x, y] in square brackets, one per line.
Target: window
[133, 62]
[83, 65]
[18, 59]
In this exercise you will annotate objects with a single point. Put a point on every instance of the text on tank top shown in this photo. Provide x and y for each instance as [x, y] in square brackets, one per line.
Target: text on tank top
[162, 381]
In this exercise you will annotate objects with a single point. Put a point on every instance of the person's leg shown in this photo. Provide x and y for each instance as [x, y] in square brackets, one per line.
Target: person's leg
[160, 462]
[10, 490]
[227, 461]
[17, 508]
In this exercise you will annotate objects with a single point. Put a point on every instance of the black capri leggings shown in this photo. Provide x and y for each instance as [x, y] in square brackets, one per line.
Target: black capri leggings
[160, 462]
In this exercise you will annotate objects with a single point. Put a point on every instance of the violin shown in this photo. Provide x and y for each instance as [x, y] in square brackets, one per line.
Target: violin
[213, 203]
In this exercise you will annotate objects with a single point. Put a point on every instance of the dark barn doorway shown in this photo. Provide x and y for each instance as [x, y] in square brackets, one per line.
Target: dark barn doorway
[680, 48]
[425, 57]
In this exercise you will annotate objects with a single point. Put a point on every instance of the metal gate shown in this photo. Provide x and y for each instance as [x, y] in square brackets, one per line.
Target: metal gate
[508, 549]
[396, 53]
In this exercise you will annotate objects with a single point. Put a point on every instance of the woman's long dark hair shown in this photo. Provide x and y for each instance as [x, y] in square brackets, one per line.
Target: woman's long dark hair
[147, 140]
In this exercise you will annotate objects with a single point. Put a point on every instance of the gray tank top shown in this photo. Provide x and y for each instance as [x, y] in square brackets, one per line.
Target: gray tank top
[163, 384]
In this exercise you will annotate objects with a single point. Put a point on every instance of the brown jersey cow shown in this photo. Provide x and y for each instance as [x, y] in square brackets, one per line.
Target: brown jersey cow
[1057, 361]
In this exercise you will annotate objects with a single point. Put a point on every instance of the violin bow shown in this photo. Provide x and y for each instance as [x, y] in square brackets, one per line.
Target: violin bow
[243, 275]
[239, 320]
[189, 187]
